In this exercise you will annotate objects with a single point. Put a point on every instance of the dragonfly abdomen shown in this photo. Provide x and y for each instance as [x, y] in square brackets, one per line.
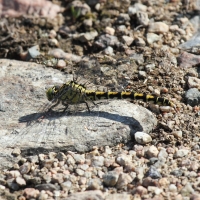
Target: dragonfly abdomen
[98, 95]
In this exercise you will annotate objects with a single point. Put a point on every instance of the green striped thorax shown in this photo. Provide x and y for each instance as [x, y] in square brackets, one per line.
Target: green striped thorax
[69, 92]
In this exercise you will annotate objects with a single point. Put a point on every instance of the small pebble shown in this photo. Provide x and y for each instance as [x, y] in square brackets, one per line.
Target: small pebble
[153, 173]
[181, 153]
[13, 174]
[97, 161]
[31, 193]
[52, 33]
[155, 190]
[142, 138]
[142, 74]
[172, 188]
[152, 37]
[158, 27]
[123, 180]
[142, 18]
[178, 134]
[80, 172]
[123, 159]
[94, 184]
[110, 179]
[139, 42]
[127, 40]
[193, 82]
[110, 30]
[109, 51]
[16, 152]
[141, 190]
[177, 172]
[20, 181]
[152, 152]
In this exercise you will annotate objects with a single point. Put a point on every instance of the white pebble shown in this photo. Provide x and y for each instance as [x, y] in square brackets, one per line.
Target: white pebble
[110, 30]
[178, 134]
[158, 27]
[172, 188]
[142, 138]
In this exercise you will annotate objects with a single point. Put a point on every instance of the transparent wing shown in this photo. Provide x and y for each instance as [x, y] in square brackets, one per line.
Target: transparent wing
[104, 74]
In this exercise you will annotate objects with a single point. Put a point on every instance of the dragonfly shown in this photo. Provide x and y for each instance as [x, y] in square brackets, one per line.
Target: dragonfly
[74, 93]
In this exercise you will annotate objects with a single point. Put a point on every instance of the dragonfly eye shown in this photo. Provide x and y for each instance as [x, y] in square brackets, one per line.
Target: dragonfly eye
[56, 88]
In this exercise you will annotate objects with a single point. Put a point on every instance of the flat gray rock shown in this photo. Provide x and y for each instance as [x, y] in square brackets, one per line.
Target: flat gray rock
[23, 100]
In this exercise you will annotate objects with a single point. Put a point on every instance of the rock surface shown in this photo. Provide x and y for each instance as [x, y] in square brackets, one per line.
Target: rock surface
[108, 124]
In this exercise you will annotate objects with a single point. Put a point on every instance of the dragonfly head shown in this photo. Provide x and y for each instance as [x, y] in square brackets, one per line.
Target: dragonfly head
[51, 92]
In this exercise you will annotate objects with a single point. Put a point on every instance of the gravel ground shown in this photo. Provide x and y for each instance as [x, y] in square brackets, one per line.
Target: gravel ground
[139, 45]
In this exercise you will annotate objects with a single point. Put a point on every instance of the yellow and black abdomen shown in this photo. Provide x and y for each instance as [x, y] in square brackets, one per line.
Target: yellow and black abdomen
[98, 95]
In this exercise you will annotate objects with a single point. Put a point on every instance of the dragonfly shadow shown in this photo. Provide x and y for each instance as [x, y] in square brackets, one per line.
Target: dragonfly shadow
[133, 124]
[103, 121]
